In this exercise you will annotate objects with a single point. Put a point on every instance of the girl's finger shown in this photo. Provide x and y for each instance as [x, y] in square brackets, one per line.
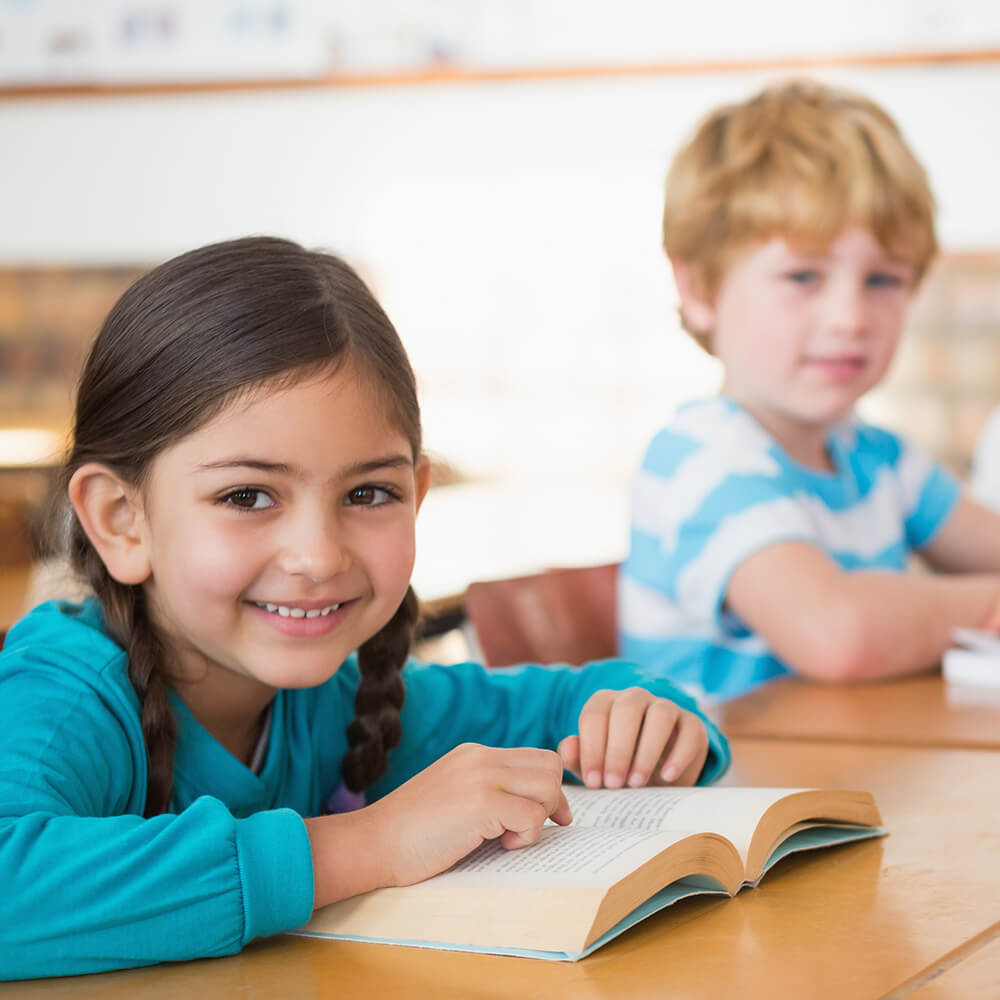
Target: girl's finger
[562, 813]
[523, 819]
[541, 785]
[624, 723]
[655, 740]
[686, 757]
[569, 751]
[594, 736]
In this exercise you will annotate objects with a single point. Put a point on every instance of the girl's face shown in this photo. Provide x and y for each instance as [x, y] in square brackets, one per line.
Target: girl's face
[280, 536]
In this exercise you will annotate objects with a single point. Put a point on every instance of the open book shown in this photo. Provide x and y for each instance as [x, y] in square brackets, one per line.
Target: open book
[627, 854]
[974, 659]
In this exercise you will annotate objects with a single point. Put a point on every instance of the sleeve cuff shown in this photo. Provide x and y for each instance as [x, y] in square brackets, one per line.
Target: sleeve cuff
[275, 861]
[937, 502]
[718, 759]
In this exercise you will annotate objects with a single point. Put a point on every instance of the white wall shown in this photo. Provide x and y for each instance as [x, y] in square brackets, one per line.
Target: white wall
[419, 166]
[510, 229]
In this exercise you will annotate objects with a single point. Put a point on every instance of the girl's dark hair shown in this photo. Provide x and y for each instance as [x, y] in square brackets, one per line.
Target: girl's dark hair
[180, 344]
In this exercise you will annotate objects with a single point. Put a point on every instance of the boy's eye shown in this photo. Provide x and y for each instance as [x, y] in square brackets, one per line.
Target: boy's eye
[804, 276]
[882, 279]
[369, 496]
[248, 498]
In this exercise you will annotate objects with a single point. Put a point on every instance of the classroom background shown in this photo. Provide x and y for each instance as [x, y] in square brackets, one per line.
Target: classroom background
[495, 172]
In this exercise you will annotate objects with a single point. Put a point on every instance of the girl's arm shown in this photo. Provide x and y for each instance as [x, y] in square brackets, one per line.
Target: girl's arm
[476, 762]
[472, 794]
[89, 884]
[833, 625]
[527, 706]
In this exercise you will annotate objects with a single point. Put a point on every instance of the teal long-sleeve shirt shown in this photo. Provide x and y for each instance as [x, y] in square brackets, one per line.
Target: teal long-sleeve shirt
[89, 884]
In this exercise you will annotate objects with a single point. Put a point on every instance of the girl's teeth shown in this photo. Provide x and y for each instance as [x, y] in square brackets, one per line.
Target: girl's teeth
[289, 612]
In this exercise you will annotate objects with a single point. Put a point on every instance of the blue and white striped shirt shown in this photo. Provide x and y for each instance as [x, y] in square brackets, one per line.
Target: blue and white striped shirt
[715, 487]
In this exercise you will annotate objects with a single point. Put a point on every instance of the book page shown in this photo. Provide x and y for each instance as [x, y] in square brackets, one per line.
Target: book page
[731, 812]
[624, 808]
[582, 857]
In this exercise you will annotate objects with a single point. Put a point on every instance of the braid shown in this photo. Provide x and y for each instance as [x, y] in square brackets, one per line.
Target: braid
[129, 623]
[376, 728]
[192, 337]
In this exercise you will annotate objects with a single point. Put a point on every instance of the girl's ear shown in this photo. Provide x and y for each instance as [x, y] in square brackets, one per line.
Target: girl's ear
[696, 306]
[111, 513]
[422, 473]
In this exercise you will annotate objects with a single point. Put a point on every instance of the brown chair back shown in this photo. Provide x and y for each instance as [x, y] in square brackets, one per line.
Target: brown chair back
[559, 616]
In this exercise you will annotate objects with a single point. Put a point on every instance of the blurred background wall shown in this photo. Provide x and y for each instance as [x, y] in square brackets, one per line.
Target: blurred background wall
[495, 171]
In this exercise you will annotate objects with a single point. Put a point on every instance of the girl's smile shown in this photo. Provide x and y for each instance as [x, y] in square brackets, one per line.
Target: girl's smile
[279, 537]
[304, 619]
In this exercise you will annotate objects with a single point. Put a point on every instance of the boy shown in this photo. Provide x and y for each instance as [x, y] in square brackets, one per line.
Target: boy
[770, 527]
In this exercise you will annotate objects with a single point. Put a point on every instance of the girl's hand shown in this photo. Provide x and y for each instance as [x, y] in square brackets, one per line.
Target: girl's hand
[472, 794]
[633, 738]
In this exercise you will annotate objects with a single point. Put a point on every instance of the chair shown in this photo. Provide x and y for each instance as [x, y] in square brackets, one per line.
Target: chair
[558, 616]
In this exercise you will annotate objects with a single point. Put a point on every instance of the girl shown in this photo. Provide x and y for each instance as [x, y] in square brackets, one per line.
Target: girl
[244, 477]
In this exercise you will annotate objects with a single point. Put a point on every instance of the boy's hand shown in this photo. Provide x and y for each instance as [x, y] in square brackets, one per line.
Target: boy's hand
[633, 738]
[992, 624]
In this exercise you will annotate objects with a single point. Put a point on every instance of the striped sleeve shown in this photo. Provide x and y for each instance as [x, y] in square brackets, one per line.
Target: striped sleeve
[929, 493]
[698, 511]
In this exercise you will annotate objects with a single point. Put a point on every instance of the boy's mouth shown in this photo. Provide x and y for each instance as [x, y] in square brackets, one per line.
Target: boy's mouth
[293, 611]
[837, 366]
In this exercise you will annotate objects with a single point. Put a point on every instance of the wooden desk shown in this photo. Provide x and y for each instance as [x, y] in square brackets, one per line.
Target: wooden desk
[917, 711]
[976, 975]
[857, 921]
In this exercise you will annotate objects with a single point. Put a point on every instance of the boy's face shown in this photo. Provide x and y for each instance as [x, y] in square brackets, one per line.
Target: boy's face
[803, 335]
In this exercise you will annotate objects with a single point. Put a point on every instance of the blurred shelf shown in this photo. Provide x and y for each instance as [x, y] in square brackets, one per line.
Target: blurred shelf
[466, 75]
[14, 582]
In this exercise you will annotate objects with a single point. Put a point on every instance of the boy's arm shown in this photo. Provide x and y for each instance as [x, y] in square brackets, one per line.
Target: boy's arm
[967, 542]
[833, 625]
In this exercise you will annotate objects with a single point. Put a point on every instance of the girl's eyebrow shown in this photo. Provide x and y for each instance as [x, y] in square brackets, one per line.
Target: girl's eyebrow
[385, 462]
[283, 468]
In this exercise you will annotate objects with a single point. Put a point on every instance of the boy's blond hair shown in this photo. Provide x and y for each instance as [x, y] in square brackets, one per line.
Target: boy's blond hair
[799, 160]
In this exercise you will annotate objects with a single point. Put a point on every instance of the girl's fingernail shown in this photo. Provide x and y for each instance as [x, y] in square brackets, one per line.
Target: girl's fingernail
[593, 779]
[669, 773]
[613, 780]
[636, 780]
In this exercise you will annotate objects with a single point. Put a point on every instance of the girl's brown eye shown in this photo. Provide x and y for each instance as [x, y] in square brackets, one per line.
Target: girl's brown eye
[248, 499]
[363, 495]
[370, 496]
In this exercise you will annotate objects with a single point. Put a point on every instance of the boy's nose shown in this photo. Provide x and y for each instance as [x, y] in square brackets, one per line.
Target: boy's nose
[846, 310]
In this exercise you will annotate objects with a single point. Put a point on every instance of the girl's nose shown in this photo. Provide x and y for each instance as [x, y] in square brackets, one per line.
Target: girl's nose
[314, 548]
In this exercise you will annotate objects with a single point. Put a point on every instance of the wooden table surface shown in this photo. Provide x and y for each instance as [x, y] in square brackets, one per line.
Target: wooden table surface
[873, 919]
[976, 975]
[920, 711]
